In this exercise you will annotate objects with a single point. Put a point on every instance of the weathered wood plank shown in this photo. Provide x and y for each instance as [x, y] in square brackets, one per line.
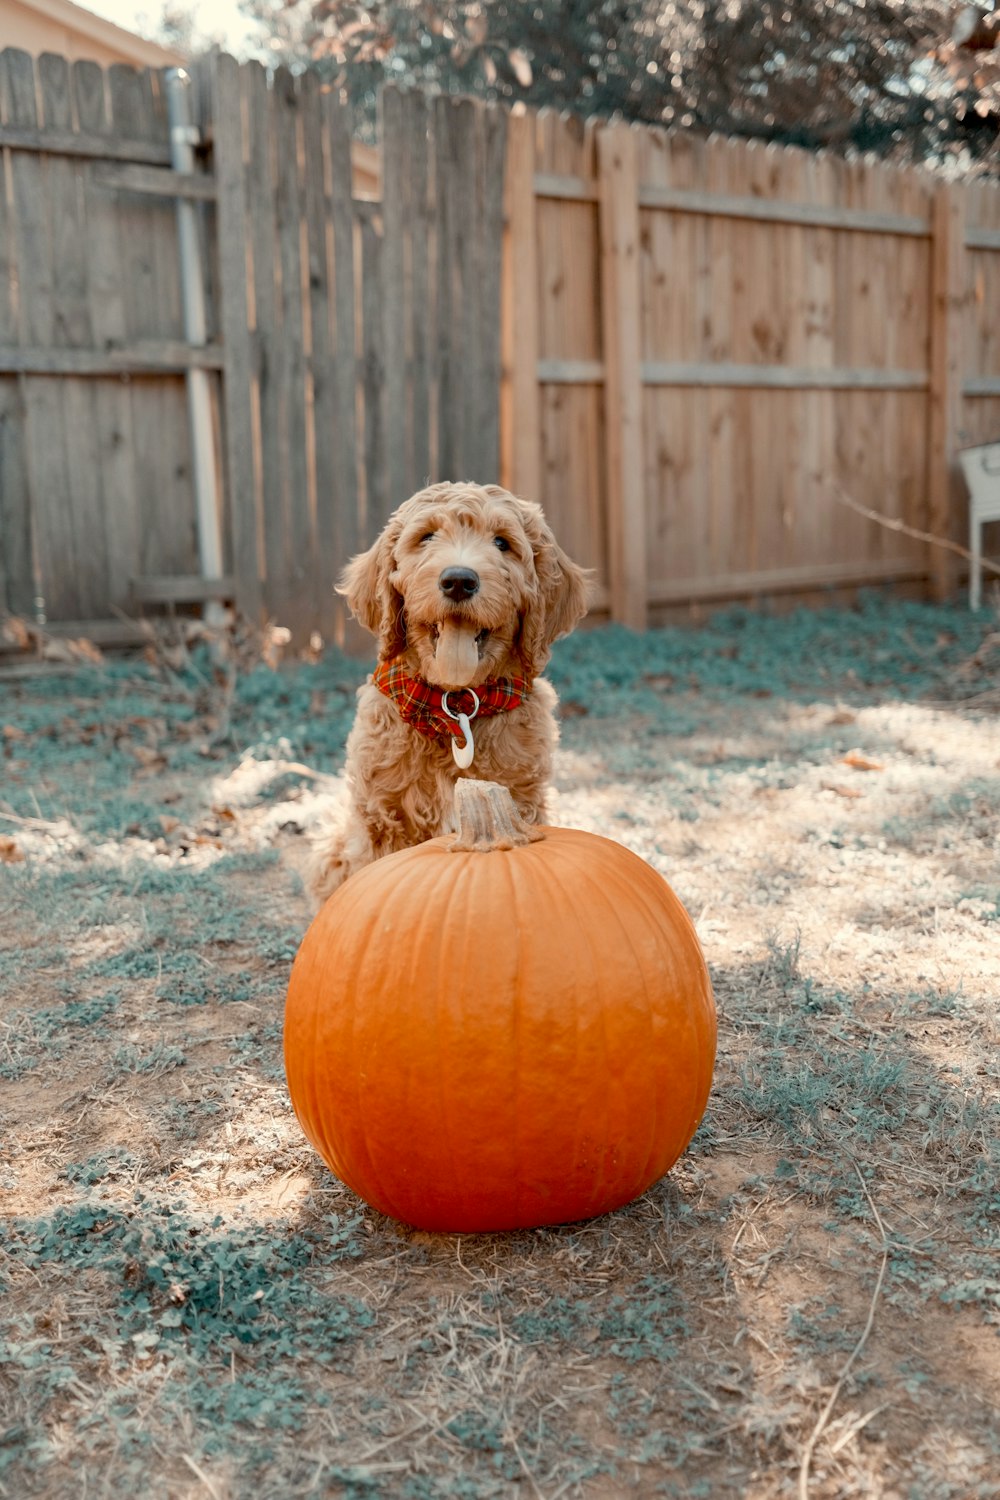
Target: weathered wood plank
[181, 589]
[735, 206]
[627, 541]
[415, 127]
[33, 248]
[299, 603]
[948, 291]
[320, 409]
[377, 505]
[802, 579]
[447, 307]
[396, 219]
[345, 496]
[81, 144]
[521, 437]
[259, 179]
[156, 182]
[17, 567]
[151, 288]
[42, 403]
[464, 120]
[775, 377]
[237, 386]
[132, 114]
[72, 327]
[490, 199]
[982, 239]
[17, 586]
[112, 398]
[145, 357]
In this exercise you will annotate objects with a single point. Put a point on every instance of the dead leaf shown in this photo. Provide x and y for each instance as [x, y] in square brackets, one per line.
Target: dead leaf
[842, 716]
[169, 824]
[224, 813]
[275, 642]
[11, 732]
[80, 650]
[858, 761]
[17, 632]
[841, 791]
[10, 854]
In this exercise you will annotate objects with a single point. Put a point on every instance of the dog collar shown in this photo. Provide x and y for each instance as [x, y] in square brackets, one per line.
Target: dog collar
[435, 712]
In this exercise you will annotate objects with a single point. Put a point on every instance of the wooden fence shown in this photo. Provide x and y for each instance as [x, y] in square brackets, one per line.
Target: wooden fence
[333, 322]
[689, 350]
[717, 342]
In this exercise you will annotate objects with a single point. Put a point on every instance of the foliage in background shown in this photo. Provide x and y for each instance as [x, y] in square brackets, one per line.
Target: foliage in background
[884, 76]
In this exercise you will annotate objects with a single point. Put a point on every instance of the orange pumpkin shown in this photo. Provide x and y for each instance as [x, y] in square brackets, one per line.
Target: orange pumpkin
[505, 1028]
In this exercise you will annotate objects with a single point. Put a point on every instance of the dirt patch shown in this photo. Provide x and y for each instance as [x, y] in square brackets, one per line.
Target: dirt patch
[808, 1305]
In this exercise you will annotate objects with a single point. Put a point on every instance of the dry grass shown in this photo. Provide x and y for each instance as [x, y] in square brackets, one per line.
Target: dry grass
[807, 1306]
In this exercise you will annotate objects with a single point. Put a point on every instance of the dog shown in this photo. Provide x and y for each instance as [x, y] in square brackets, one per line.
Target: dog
[466, 589]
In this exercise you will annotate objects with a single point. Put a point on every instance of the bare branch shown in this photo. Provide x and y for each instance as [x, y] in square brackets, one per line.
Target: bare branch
[893, 523]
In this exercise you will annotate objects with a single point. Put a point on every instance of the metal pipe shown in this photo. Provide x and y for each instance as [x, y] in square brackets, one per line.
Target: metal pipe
[184, 136]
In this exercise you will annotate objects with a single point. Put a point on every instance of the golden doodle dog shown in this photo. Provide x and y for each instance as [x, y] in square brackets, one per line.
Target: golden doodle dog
[466, 589]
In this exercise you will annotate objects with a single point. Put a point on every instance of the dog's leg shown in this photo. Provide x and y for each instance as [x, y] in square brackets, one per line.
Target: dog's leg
[399, 796]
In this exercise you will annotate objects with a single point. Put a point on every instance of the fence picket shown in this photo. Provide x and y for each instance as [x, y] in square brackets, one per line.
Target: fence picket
[17, 563]
[72, 327]
[521, 439]
[373, 358]
[447, 310]
[346, 505]
[238, 384]
[622, 352]
[320, 360]
[299, 576]
[267, 331]
[397, 225]
[485, 350]
[419, 310]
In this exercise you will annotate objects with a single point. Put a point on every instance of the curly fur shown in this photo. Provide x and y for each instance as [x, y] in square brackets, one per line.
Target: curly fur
[529, 593]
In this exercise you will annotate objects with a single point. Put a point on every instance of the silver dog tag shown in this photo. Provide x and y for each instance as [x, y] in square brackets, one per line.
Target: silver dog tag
[463, 753]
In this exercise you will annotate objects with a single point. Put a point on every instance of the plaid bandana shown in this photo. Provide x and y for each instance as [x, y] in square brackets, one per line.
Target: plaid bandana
[422, 705]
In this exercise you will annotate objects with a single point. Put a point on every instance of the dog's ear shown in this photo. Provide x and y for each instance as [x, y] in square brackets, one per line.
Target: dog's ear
[561, 598]
[366, 584]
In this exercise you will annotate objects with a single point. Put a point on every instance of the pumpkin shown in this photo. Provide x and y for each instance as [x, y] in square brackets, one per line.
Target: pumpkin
[504, 1028]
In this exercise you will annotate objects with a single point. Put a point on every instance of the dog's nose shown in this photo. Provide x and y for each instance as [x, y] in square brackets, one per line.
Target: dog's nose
[459, 583]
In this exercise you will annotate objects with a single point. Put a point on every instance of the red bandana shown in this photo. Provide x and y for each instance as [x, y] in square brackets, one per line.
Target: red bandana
[421, 704]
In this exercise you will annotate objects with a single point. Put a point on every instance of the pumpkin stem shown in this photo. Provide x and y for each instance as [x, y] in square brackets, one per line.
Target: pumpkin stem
[488, 819]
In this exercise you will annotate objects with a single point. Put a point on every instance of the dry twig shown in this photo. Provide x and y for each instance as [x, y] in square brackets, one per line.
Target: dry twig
[893, 523]
[824, 1416]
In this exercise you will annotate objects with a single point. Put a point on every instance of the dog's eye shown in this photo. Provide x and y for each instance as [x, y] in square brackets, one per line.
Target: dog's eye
[428, 536]
[501, 543]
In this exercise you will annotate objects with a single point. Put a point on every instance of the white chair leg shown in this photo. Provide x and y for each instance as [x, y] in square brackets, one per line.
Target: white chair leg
[975, 561]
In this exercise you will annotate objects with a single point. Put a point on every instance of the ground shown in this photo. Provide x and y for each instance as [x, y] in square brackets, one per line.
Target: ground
[807, 1305]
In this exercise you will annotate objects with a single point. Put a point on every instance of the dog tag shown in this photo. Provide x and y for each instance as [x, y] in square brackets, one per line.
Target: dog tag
[463, 753]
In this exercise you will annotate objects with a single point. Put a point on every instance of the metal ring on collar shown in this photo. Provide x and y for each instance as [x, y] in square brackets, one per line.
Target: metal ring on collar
[451, 712]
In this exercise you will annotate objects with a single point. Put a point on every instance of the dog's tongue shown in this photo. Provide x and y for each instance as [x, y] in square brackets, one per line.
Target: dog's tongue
[456, 655]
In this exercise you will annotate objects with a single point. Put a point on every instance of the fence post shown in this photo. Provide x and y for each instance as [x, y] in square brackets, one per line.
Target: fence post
[618, 200]
[947, 306]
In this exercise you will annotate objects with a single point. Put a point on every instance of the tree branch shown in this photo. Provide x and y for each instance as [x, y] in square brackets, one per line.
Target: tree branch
[893, 523]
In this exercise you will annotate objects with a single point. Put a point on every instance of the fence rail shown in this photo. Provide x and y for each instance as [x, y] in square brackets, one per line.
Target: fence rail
[684, 348]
